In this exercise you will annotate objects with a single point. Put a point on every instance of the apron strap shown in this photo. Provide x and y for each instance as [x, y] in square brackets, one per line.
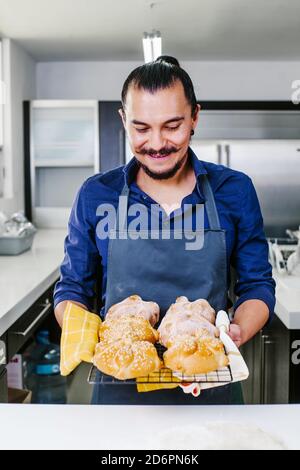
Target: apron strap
[210, 205]
[121, 222]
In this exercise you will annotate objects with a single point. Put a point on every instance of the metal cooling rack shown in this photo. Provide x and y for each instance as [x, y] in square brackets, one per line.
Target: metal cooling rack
[164, 375]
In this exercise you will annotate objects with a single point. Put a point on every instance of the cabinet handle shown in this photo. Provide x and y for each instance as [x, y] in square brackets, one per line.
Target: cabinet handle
[219, 151]
[227, 152]
[264, 342]
[47, 307]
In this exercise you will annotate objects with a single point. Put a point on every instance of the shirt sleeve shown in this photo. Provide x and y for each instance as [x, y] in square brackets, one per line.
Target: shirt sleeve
[78, 270]
[250, 256]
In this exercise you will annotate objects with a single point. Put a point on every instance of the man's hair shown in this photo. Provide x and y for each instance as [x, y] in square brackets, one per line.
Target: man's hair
[159, 74]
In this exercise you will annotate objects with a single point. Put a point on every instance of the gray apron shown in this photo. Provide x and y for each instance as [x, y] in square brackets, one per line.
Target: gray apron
[162, 270]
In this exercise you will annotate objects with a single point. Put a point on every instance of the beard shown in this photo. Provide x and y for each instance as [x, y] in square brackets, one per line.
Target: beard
[165, 174]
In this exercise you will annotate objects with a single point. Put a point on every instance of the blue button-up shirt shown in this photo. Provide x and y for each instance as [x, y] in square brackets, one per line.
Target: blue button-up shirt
[239, 214]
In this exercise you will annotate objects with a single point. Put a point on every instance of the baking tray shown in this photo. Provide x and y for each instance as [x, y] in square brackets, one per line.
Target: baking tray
[165, 376]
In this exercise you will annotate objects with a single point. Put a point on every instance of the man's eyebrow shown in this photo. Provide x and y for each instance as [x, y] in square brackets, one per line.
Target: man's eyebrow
[174, 119]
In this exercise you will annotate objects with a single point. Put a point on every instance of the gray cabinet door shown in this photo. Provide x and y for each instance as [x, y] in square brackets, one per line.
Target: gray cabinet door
[275, 360]
[207, 150]
[3, 385]
[267, 356]
[251, 352]
[61, 150]
[112, 136]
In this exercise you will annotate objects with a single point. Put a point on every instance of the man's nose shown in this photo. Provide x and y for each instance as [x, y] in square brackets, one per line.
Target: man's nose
[157, 141]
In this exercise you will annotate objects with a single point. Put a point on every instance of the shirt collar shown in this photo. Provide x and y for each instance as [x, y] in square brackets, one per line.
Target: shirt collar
[130, 170]
[197, 164]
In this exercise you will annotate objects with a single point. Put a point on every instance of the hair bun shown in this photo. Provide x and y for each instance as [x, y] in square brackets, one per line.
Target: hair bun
[168, 59]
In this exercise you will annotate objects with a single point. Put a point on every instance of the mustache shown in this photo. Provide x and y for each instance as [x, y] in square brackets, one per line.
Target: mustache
[163, 151]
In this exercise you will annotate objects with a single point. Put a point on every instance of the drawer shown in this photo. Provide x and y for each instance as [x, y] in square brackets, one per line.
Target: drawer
[23, 329]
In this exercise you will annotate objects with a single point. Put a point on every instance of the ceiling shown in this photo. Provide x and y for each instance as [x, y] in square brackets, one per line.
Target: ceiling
[59, 30]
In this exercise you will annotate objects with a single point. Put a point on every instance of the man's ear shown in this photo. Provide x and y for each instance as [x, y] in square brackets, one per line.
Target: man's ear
[196, 114]
[123, 117]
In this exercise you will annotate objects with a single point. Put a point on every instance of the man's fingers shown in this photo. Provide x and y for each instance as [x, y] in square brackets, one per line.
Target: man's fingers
[235, 334]
[235, 330]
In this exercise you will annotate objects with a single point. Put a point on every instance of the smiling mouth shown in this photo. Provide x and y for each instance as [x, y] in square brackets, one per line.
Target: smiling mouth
[158, 156]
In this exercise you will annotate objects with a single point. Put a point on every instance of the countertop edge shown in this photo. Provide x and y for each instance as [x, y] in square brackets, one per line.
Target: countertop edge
[25, 303]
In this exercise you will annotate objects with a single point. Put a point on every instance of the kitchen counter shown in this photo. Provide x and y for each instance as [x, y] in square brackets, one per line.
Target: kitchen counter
[287, 306]
[130, 427]
[24, 278]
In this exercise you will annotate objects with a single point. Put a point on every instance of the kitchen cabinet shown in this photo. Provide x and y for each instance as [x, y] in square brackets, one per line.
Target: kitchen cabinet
[3, 385]
[61, 152]
[3, 373]
[248, 120]
[23, 329]
[19, 335]
[271, 357]
[65, 142]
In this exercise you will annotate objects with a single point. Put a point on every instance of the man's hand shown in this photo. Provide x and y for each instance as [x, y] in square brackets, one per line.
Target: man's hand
[235, 334]
[249, 318]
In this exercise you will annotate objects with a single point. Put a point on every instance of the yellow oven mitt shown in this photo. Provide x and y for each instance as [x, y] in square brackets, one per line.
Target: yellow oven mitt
[79, 337]
[165, 376]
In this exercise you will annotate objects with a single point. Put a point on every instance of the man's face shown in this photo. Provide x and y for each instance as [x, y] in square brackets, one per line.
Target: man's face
[159, 128]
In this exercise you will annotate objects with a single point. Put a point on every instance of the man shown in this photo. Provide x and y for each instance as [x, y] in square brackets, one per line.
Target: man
[164, 177]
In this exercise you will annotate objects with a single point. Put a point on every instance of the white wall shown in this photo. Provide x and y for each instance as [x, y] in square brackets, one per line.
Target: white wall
[212, 80]
[20, 81]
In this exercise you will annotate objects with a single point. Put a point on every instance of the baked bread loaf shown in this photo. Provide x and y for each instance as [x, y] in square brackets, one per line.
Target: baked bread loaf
[191, 318]
[189, 333]
[130, 326]
[126, 336]
[194, 327]
[197, 307]
[191, 355]
[135, 305]
[126, 359]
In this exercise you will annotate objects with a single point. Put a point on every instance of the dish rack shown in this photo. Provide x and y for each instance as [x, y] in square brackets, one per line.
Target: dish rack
[280, 252]
[223, 375]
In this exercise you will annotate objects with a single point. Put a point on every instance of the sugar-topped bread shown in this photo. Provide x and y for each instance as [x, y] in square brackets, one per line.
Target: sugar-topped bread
[192, 318]
[130, 326]
[192, 355]
[126, 359]
[135, 305]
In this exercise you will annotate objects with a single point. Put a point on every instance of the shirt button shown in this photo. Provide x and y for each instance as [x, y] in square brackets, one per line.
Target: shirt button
[144, 197]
